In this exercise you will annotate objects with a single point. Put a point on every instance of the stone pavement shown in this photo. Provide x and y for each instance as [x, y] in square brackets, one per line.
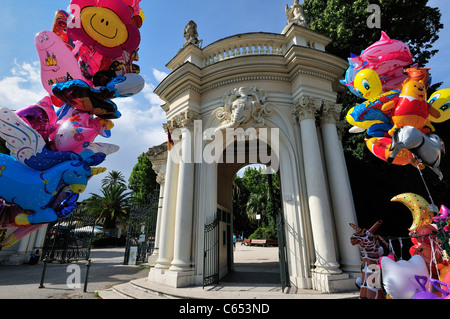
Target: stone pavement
[256, 275]
[106, 270]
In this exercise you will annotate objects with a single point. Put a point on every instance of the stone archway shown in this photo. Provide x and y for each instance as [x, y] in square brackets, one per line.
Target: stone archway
[288, 86]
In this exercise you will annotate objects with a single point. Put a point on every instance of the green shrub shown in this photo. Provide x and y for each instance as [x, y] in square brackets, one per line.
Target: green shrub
[264, 233]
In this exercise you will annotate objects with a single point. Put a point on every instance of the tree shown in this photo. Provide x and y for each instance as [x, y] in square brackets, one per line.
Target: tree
[114, 203]
[412, 22]
[142, 179]
[255, 193]
[113, 178]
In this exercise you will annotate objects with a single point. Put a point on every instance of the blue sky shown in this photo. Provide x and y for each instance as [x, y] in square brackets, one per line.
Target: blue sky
[162, 36]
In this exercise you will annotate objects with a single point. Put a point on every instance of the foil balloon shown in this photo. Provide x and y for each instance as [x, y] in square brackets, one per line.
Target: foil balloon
[78, 132]
[58, 65]
[438, 287]
[36, 190]
[399, 277]
[368, 83]
[60, 28]
[440, 102]
[419, 207]
[381, 148]
[104, 25]
[64, 205]
[386, 57]
[81, 96]
[41, 117]
[412, 108]
[369, 116]
[428, 148]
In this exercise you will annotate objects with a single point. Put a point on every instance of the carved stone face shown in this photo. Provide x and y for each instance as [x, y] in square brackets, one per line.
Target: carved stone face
[241, 110]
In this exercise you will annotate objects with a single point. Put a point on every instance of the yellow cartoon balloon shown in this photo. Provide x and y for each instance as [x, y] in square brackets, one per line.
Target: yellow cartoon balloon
[368, 83]
[440, 101]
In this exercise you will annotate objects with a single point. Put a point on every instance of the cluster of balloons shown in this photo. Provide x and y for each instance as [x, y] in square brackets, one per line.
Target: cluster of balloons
[86, 60]
[398, 119]
[395, 113]
[426, 275]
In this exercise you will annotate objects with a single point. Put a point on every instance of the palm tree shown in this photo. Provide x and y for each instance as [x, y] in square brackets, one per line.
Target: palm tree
[113, 178]
[112, 206]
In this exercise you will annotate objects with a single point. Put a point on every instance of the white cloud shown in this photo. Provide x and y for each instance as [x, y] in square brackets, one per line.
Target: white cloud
[159, 75]
[22, 87]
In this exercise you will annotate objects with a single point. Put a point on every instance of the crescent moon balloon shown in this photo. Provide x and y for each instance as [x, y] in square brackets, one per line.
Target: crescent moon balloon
[419, 207]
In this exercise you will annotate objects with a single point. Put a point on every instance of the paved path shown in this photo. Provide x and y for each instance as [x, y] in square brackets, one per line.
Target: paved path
[256, 275]
[107, 270]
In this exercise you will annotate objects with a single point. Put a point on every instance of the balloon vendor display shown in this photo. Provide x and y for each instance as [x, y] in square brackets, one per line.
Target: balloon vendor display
[87, 59]
[397, 118]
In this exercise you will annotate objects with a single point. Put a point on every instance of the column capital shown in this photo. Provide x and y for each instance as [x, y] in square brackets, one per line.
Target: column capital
[306, 107]
[330, 112]
[184, 119]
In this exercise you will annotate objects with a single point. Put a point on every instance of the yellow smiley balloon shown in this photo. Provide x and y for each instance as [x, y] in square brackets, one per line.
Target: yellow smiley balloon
[104, 26]
[368, 83]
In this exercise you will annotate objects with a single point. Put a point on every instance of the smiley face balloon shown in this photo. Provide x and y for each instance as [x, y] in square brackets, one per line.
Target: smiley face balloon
[106, 25]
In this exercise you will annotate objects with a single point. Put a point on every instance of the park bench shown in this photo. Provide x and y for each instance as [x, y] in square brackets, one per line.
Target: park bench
[264, 242]
[245, 242]
[258, 242]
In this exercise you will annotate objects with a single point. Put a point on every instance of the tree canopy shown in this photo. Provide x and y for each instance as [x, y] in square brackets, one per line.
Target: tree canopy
[142, 179]
[255, 193]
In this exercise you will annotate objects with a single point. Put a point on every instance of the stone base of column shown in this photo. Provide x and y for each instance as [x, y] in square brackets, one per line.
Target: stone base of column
[174, 279]
[350, 266]
[152, 260]
[328, 283]
[181, 265]
[17, 259]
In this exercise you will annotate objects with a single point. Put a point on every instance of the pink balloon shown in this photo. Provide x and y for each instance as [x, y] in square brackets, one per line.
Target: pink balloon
[58, 64]
[41, 117]
[77, 133]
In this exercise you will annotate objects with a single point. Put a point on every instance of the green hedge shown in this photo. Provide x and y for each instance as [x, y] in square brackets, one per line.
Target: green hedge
[264, 233]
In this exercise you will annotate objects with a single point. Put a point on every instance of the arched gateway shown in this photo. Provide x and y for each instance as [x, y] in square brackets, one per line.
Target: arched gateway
[227, 104]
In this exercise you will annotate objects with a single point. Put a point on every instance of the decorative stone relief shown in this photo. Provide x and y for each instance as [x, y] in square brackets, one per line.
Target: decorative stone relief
[182, 119]
[243, 107]
[191, 35]
[296, 15]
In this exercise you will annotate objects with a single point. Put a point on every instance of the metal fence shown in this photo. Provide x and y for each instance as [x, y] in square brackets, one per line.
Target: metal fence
[211, 253]
[69, 239]
[141, 230]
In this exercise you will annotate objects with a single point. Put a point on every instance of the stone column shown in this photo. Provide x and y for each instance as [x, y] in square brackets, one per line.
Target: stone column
[185, 204]
[340, 189]
[167, 224]
[320, 210]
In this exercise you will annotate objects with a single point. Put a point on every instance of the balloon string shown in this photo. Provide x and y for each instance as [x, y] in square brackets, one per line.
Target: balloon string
[391, 248]
[426, 187]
